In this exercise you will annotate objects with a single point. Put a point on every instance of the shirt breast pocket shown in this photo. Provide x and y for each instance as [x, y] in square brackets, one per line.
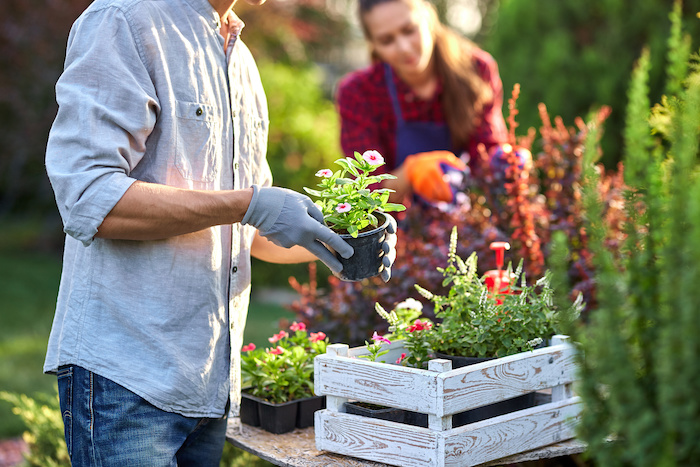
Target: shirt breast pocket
[197, 141]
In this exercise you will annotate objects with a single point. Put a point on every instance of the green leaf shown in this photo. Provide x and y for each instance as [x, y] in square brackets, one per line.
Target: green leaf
[343, 162]
[313, 192]
[393, 207]
[344, 181]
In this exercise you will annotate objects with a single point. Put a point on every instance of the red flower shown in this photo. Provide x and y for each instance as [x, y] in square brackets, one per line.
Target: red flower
[277, 351]
[248, 348]
[317, 336]
[400, 359]
[297, 326]
[278, 336]
[419, 325]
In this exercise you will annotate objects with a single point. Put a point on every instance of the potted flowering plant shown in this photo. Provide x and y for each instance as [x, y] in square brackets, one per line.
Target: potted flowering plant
[356, 211]
[279, 380]
[478, 322]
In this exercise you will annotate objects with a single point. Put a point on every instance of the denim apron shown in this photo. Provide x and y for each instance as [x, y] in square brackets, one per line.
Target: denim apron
[415, 137]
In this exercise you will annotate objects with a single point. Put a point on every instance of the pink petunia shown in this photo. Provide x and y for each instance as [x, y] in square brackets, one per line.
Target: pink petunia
[373, 157]
[343, 207]
[248, 348]
[297, 326]
[278, 336]
[325, 173]
[277, 351]
[377, 338]
[317, 336]
[400, 359]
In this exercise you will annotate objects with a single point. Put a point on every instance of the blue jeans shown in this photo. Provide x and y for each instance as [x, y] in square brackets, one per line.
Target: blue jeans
[108, 425]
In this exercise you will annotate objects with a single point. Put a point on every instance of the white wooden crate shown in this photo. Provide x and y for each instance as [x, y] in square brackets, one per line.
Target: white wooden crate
[441, 392]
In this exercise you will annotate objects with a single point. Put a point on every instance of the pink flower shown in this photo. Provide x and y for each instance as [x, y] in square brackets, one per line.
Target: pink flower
[317, 336]
[297, 326]
[373, 157]
[377, 338]
[343, 207]
[400, 359]
[325, 173]
[278, 336]
[277, 351]
[248, 348]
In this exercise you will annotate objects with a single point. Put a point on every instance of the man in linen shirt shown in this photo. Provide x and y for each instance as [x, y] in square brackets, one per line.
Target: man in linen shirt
[157, 160]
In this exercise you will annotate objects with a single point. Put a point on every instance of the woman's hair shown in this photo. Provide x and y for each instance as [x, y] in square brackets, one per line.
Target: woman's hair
[465, 93]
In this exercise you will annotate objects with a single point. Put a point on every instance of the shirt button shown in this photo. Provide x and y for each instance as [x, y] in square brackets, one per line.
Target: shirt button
[235, 165]
[234, 269]
[199, 111]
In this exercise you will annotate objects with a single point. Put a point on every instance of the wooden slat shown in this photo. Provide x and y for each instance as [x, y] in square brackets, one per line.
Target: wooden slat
[390, 385]
[378, 440]
[512, 433]
[493, 381]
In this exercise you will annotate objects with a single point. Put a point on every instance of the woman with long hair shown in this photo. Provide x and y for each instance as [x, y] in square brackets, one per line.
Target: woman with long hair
[428, 95]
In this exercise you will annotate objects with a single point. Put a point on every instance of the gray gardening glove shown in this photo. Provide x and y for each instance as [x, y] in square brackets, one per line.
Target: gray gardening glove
[389, 247]
[288, 218]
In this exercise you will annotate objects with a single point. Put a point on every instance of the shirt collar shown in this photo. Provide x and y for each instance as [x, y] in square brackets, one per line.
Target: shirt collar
[235, 23]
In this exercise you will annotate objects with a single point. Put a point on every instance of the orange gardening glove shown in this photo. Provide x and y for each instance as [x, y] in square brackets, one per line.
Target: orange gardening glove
[427, 174]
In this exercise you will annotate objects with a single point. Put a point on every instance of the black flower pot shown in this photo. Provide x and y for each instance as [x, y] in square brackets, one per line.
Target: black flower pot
[278, 418]
[366, 261]
[488, 411]
[307, 407]
[249, 409]
[372, 411]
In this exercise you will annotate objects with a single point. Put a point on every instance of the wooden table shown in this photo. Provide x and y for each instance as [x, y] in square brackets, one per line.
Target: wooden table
[298, 449]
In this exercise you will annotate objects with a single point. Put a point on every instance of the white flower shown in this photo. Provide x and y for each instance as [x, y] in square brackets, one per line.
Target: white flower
[410, 304]
[343, 207]
[373, 157]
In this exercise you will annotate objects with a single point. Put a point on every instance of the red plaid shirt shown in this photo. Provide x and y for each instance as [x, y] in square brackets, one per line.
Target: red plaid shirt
[368, 120]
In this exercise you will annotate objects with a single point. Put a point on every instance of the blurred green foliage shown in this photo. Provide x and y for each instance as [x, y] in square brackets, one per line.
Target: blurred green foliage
[304, 125]
[304, 129]
[575, 56]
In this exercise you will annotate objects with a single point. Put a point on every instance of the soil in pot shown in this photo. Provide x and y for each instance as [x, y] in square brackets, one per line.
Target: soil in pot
[367, 260]
[307, 407]
[375, 411]
[488, 411]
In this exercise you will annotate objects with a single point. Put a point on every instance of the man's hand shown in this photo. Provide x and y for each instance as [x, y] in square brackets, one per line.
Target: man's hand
[288, 218]
[389, 248]
[428, 174]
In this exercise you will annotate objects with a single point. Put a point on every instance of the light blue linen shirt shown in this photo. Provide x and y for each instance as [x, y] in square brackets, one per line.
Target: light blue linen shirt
[148, 93]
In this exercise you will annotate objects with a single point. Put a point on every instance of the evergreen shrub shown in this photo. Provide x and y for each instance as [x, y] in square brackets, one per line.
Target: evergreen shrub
[640, 373]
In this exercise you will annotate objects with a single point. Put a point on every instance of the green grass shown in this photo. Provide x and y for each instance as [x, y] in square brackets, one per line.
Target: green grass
[28, 289]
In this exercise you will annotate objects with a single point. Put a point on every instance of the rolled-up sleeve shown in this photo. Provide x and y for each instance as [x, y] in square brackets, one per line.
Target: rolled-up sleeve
[107, 110]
